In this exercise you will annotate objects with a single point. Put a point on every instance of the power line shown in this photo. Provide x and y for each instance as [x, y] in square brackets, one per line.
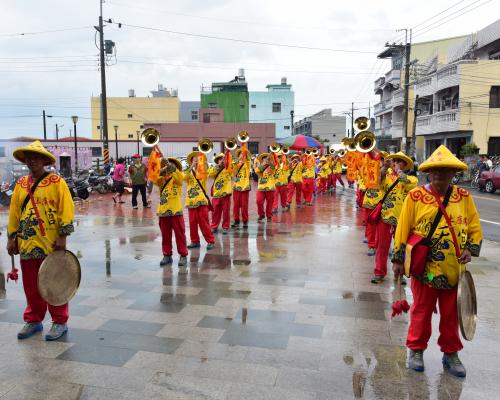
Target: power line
[44, 32]
[438, 14]
[244, 40]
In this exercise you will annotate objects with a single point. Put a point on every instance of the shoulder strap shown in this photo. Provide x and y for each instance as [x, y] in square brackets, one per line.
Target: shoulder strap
[201, 187]
[389, 191]
[437, 218]
[291, 172]
[165, 185]
[442, 209]
[241, 166]
[32, 189]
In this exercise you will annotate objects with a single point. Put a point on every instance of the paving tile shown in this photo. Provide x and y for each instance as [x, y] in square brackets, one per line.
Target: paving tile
[251, 392]
[237, 372]
[186, 387]
[44, 390]
[210, 350]
[288, 358]
[103, 355]
[146, 343]
[250, 337]
[169, 363]
[137, 327]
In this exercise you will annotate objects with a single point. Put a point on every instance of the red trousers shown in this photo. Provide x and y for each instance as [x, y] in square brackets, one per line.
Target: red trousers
[240, 203]
[222, 208]
[281, 195]
[174, 224]
[308, 189]
[36, 305]
[336, 177]
[384, 238]
[424, 303]
[322, 185]
[268, 198]
[370, 230]
[198, 217]
[297, 187]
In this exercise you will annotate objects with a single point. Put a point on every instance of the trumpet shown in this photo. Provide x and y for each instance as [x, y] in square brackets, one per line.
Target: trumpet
[150, 137]
[315, 151]
[285, 149]
[365, 141]
[243, 137]
[332, 151]
[361, 124]
[342, 153]
[308, 151]
[231, 144]
[275, 147]
[205, 146]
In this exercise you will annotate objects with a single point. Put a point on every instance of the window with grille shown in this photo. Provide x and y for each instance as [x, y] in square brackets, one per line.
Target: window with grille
[96, 152]
[254, 105]
[129, 115]
[212, 105]
[495, 97]
[194, 115]
[130, 136]
[286, 127]
[276, 107]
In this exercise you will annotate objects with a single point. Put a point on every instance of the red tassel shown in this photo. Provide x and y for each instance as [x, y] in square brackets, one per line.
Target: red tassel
[13, 275]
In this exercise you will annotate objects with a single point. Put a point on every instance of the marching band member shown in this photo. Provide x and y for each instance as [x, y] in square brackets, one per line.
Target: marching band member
[241, 187]
[436, 281]
[295, 181]
[40, 218]
[221, 193]
[197, 201]
[396, 184]
[308, 177]
[337, 173]
[281, 179]
[324, 171]
[169, 212]
[266, 186]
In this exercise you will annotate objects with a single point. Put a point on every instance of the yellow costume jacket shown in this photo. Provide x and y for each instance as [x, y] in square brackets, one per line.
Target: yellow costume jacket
[418, 213]
[372, 197]
[308, 172]
[194, 194]
[324, 171]
[337, 167]
[56, 210]
[171, 195]
[266, 179]
[222, 184]
[242, 176]
[281, 176]
[391, 208]
[296, 176]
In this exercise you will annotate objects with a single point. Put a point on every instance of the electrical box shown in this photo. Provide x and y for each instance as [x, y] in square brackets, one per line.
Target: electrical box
[109, 46]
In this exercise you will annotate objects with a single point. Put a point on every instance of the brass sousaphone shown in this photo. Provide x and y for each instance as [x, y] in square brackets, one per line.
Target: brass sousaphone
[467, 305]
[150, 137]
[59, 277]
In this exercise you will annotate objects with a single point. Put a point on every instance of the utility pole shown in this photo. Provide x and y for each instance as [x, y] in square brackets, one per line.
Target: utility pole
[407, 48]
[352, 119]
[57, 132]
[413, 150]
[44, 126]
[104, 106]
[291, 121]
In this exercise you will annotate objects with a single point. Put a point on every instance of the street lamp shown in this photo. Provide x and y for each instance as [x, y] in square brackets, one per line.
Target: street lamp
[116, 140]
[74, 118]
[138, 135]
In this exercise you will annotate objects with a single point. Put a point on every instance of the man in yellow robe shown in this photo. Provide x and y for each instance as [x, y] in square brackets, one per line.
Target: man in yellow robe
[40, 218]
[449, 250]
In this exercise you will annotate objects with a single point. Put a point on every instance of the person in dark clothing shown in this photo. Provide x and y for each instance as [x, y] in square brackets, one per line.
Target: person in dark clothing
[138, 179]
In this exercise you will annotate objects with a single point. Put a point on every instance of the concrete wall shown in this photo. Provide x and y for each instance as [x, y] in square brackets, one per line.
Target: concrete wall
[234, 104]
[186, 111]
[261, 109]
[142, 109]
[327, 126]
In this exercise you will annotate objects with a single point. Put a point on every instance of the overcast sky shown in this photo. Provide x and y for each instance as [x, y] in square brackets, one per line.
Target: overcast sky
[66, 62]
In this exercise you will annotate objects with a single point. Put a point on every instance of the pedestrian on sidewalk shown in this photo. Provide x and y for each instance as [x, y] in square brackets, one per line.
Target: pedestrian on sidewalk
[221, 193]
[119, 180]
[435, 280]
[35, 230]
[138, 178]
[170, 214]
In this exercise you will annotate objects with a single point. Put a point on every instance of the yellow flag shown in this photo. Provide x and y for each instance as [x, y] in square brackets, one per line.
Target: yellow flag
[154, 164]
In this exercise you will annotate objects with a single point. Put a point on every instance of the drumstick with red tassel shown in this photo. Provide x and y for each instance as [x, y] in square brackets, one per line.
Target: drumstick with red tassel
[13, 272]
[400, 305]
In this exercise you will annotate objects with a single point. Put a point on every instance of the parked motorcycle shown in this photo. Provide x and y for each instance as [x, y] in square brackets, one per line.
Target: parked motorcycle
[79, 186]
[6, 190]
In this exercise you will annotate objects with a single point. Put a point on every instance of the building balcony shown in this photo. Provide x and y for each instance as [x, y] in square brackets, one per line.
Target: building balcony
[426, 86]
[444, 121]
[378, 84]
[383, 131]
[398, 98]
[393, 77]
[383, 106]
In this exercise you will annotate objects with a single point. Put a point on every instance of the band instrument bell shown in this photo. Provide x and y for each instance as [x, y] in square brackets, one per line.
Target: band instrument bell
[243, 137]
[205, 146]
[361, 124]
[285, 149]
[365, 141]
[308, 151]
[315, 151]
[231, 144]
[275, 148]
[150, 137]
[349, 144]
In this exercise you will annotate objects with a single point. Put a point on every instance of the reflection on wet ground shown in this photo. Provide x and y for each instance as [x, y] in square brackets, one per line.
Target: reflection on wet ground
[283, 310]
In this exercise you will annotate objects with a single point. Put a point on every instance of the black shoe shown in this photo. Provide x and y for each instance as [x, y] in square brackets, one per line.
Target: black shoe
[245, 225]
[269, 219]
[235, 224]
[260, 219]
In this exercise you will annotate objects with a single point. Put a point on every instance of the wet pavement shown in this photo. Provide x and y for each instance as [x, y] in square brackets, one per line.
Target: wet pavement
[284, 310]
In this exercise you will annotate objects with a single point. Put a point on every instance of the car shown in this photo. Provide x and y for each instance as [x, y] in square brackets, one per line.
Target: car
[490, 180]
